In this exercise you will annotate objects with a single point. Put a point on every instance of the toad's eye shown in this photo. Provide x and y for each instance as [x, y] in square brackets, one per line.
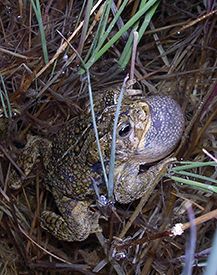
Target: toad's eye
[124, 130]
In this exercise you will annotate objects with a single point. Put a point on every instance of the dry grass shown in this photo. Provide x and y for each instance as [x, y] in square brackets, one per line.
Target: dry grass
[177, 56]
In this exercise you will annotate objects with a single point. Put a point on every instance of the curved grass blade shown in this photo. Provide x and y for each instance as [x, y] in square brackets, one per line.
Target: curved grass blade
[113, 145]
[95, 129]
[93, 115]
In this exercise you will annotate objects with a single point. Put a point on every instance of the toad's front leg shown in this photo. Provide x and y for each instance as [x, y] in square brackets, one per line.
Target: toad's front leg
[76, 221]
[132, 184]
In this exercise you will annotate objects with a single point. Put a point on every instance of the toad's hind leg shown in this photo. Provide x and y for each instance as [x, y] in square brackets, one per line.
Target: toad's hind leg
[35, 148]
[76, 221]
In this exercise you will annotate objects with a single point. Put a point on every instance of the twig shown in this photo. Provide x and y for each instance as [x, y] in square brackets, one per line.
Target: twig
[204, 218]
[18, 55]
[176, 230]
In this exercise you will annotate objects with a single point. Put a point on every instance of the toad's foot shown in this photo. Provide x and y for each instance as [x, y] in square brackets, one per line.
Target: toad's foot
[76, 222]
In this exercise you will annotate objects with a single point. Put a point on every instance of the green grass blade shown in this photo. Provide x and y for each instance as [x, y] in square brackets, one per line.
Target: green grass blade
[193, 165]
[89, 6]
[100, 29]
[128, 45]
[114, 39]
[103, 34]
[125, 56]
[193, 175]
[120, 22]
[148, 18]
[37, 10]
[112, 24]
[105, 18]
[195, 184]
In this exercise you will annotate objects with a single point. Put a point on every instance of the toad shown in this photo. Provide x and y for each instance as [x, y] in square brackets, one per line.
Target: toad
[148, 131]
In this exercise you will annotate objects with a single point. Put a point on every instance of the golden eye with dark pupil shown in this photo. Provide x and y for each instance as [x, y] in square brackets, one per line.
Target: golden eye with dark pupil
[125, 129]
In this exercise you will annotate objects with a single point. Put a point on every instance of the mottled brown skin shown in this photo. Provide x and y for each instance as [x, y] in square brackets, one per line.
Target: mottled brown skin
[148, 130]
